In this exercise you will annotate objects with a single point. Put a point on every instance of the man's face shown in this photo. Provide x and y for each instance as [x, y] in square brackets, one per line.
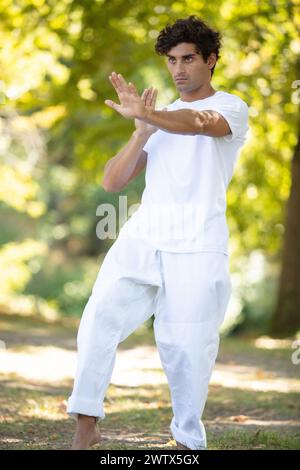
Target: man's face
[183, 61]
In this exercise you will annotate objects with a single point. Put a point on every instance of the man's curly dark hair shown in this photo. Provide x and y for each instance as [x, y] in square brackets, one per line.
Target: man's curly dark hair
[192, 30]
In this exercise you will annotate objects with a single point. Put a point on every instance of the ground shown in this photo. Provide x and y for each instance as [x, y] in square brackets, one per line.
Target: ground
[253, 400]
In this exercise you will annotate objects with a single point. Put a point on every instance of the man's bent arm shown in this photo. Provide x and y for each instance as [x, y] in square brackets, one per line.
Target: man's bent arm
[188, 121]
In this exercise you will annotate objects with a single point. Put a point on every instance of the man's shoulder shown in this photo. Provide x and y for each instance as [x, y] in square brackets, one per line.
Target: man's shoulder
[226, 96]
[222, 97]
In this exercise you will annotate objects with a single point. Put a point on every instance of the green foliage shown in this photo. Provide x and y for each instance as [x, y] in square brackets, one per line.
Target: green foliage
[56, 133]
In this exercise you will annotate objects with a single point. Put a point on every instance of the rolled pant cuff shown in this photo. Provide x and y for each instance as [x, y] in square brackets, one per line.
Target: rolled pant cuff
[82, 406]
[186, 440]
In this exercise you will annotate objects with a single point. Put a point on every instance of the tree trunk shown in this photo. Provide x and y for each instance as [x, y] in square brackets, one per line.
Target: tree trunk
[286, 318]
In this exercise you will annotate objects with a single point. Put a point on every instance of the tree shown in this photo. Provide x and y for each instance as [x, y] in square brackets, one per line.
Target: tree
[55, 62]
[286, 319]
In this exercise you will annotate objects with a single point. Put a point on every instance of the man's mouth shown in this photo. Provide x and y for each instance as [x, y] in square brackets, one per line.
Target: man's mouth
[180, 79]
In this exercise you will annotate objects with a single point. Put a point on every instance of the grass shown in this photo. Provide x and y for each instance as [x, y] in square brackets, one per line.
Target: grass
[253, 400]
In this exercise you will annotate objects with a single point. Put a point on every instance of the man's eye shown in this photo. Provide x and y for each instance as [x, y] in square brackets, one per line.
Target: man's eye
[186, 58]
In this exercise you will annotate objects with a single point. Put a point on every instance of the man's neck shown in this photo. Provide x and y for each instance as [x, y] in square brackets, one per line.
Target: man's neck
[199, 94]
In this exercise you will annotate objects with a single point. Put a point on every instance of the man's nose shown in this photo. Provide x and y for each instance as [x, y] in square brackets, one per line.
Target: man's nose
[179, 69]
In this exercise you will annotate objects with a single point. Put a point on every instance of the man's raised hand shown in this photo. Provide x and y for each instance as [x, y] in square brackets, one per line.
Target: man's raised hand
[149, 96]
[131, 104]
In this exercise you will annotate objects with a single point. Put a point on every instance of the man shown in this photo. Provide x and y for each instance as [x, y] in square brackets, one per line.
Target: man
[171, 257]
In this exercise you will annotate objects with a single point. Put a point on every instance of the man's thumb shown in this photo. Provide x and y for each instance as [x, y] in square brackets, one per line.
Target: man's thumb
[110, 103]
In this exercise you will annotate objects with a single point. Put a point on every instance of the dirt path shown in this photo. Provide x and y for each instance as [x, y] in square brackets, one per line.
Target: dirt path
[253, 399]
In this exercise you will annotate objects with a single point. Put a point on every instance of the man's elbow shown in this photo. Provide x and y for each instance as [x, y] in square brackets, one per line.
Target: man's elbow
[212, 124]
[110, 187]
[199, 124]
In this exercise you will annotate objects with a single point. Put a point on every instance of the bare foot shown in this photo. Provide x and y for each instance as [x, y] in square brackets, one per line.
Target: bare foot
[87, 434]
[181, 446]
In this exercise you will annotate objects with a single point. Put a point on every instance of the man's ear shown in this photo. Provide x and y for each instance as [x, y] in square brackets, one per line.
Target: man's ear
[212, 59]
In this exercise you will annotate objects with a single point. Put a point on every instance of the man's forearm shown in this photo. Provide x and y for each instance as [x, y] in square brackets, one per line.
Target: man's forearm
[181, 121]
[119, 169]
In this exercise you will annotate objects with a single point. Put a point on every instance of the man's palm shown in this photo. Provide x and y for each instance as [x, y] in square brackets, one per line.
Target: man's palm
[131, 105]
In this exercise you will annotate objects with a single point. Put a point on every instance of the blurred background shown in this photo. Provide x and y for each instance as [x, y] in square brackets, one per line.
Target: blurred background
[56, 134]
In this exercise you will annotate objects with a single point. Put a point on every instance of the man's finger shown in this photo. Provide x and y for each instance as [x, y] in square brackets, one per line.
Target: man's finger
[132, 88]
[143, 97]
[148, 97]
[114, 83]
[112, 105]
[122, 81]
[154, 96]
[118, 82]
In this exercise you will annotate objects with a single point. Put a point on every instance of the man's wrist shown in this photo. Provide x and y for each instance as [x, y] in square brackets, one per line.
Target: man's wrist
[141, 134]
[145, 114]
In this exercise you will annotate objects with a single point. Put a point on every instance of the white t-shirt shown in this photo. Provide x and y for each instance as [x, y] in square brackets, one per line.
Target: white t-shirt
[183, 206]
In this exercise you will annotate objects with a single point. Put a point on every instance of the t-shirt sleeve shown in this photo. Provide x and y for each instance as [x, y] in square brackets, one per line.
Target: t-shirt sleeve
[236, 114]
[147, 144]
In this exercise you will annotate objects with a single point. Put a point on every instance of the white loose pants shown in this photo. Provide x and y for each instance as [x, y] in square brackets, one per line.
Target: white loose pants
[188, 294]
